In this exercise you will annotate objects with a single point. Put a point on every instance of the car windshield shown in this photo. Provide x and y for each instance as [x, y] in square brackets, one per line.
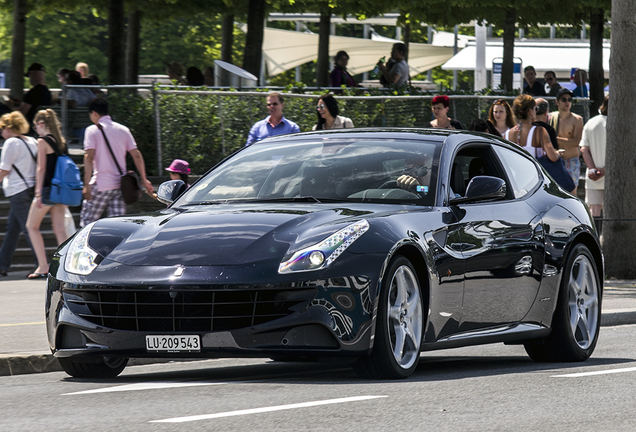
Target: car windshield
[325, 170]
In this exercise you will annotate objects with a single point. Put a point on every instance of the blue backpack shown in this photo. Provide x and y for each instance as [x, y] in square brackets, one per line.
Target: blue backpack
[66, 184]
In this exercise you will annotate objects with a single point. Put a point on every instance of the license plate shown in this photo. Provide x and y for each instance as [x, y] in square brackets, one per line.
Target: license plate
[173, 344]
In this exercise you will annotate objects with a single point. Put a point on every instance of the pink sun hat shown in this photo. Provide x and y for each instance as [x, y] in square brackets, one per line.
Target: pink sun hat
[179, 166]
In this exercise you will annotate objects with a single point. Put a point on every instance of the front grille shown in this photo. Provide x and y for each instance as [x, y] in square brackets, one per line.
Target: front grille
[185, 309]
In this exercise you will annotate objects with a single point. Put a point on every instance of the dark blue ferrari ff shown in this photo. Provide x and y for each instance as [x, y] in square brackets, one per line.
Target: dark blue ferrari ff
[373, 244]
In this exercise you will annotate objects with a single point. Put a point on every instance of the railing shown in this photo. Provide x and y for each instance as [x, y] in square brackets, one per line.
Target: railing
[204, 125]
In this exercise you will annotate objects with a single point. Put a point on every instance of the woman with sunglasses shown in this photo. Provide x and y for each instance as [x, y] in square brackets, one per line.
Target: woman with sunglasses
[328, 118]
[500, 116]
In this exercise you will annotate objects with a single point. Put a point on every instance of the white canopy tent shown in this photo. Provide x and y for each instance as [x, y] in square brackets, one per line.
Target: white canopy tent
[284, 50]
[557, 55]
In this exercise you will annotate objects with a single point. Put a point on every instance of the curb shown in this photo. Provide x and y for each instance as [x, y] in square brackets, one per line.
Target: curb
[30, 363]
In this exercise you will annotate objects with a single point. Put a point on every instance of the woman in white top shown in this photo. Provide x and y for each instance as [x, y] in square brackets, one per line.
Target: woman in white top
[535, 140]
[328, 117]
[500, 115]
[17, 172]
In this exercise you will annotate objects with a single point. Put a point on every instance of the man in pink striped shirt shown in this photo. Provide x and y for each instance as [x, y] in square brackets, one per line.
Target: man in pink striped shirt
[102, 172]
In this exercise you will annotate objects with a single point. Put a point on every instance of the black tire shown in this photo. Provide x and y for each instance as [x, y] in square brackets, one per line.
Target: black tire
[399, 325]
[106, 368]
[577, 318]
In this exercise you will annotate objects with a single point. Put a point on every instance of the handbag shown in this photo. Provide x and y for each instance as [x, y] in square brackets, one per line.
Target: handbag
[558, 172]
[130, 183]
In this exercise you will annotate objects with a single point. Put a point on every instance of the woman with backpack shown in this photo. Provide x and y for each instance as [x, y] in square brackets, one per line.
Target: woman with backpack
[17, 172]
[50, 145]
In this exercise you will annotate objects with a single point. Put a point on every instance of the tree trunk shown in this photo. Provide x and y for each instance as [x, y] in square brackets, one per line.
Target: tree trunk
[507, 67]
[253, 54]
[597, 81]
[227, 37]
[322, 65]
[116, 45]
[406, 39]
[132, 47]
[17, 48]
[619, 233]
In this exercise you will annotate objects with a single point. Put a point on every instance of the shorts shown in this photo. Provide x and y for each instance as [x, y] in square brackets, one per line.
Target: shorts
[46, 193]
[594, 196]
[573, 167]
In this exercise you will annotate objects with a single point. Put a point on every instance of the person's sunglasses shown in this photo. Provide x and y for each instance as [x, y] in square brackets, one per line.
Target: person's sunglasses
[320, 106]
[566, 99]
[272, 104]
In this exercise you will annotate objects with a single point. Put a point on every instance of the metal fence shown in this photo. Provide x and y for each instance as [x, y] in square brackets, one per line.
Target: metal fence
[203, 126]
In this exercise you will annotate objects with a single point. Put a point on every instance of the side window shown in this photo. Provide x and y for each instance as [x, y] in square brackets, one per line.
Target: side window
[522, 172]
[471, 161]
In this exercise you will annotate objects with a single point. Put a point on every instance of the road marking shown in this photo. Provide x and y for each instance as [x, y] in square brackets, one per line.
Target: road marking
[19, 324]
[265, 409]
[145, 386]
[583, 374]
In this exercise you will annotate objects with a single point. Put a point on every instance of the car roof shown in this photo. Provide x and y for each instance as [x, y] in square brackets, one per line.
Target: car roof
[435, 135]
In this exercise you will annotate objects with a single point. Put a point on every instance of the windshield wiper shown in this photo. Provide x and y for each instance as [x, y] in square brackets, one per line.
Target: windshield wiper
[204, 203]
[306, 198]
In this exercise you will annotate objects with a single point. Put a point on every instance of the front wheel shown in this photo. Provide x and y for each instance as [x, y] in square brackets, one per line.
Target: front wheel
[577, 318]
[399, 325]
[105, 368]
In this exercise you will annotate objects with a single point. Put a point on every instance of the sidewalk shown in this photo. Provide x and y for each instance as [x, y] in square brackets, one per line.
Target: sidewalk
[24, 347]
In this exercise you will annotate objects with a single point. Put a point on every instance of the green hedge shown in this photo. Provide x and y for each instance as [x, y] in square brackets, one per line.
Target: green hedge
[203, 129]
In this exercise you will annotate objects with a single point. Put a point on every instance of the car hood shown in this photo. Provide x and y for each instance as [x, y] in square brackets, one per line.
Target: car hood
[223, 234]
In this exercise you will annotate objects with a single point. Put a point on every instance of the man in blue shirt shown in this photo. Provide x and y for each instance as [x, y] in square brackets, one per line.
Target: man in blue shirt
[274, 124]
[580, 78]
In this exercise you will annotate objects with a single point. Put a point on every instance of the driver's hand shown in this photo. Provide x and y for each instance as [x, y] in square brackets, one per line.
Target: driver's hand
[407, 182]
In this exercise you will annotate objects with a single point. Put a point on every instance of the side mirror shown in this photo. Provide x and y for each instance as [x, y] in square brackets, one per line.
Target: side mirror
[170, 191]
[483, 188]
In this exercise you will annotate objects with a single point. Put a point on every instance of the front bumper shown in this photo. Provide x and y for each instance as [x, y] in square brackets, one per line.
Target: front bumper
[110, 312]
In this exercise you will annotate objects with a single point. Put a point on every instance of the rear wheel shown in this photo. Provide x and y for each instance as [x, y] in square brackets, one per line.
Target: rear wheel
[106, 368]
[577, 318]
[399, 326]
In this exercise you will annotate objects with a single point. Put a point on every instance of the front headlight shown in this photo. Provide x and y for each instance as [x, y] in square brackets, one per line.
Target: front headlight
[80, 258]
[321, 255]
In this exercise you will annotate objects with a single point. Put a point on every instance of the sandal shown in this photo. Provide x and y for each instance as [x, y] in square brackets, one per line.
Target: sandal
[37, 275]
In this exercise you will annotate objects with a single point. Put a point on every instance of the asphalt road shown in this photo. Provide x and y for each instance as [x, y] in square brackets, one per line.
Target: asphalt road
[486, 388]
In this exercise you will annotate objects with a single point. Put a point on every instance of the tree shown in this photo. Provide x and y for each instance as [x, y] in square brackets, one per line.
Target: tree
[619, 231]
[253, 55]
[17, 48]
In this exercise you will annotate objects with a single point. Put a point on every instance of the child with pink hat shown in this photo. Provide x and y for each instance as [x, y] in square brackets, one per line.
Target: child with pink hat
[179, 170]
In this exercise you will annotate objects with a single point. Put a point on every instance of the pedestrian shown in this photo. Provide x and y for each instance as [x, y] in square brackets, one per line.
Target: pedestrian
[175, 73]
[440, 106]
[38, 95]
[541, 115]
[83, 70]
[17, 172]
[328, 118]
[194, 77]
[533, 139]
[580, 79]
[104, 166]
[551, 81]
[398, 74]
[179, 170]
[532, 87]
[274, 124]
[339, 75]
[50, 145]
[593, 145]
[569, 127]
[500, 115]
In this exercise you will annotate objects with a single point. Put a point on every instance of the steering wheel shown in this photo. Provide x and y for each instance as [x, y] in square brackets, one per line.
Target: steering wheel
[391, 184]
